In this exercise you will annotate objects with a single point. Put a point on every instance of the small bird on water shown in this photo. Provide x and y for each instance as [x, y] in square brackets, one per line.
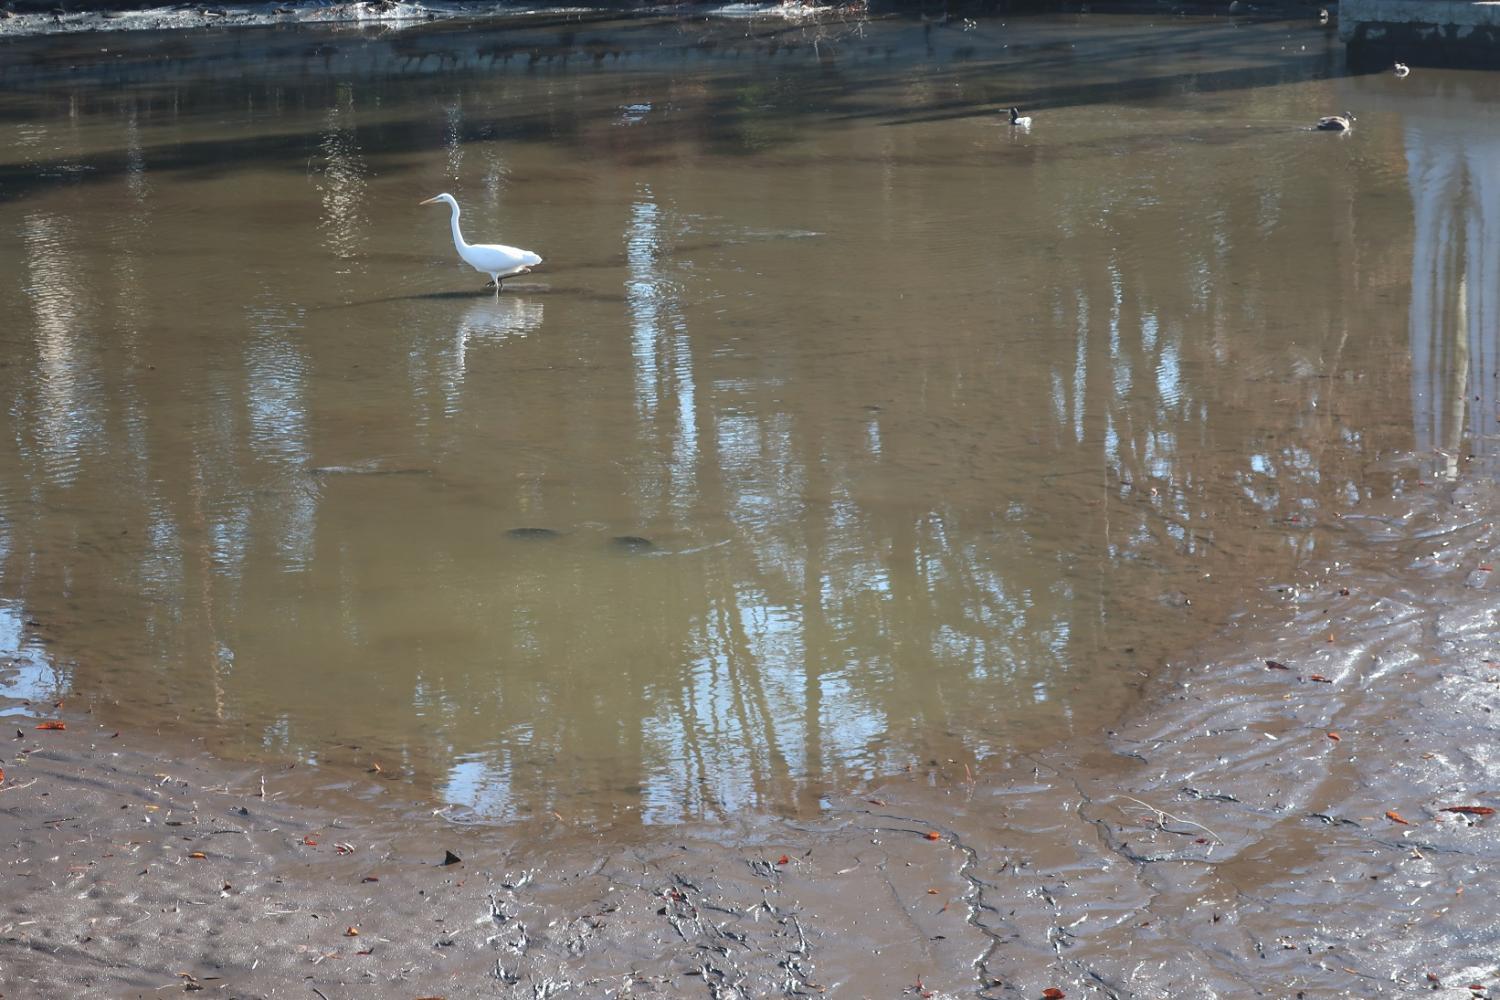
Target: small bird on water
[495, 259]
[1335, 123]
[1401, 69]
[1019, 120]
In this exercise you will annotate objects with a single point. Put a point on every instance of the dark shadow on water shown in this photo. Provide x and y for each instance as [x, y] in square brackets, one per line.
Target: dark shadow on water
[585, 294]
[803, 89]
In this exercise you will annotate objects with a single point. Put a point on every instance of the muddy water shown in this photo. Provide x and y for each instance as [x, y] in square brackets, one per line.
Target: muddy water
[843, 426]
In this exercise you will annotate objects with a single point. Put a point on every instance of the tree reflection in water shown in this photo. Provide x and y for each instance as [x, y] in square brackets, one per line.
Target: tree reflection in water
[942, 437]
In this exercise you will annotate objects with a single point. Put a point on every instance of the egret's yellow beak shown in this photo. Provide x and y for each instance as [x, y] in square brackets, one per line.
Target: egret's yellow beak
[429, 201]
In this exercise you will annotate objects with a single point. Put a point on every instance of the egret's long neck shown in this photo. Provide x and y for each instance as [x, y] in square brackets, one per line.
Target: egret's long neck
[458, 237]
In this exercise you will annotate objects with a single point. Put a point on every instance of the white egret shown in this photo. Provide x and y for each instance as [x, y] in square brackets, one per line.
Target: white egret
[1019, 120]
[1335, 123]
[496, 260]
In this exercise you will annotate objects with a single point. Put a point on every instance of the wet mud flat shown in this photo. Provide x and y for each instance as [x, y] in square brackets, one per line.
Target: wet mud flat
[1302, 807]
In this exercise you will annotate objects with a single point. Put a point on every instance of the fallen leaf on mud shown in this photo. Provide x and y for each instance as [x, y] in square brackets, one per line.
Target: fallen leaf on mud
[783, 860]
[1273, 665]
[1466, 810]
[370, 878]
[198, 854]
[1335, 737]
[309, 842]
[351, 932]
[375, 767]
[449, 858]
[1395, 817]
[367, 951]
[2, 775]
[1432, 978]
[1320, 679]
[876, 802]
[933, 835]
[53, 724]
[1053, 993]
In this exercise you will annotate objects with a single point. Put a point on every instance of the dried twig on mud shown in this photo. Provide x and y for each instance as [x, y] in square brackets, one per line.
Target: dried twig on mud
[1162, 816]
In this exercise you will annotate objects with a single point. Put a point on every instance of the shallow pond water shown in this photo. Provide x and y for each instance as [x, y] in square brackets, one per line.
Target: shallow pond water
[844, 425]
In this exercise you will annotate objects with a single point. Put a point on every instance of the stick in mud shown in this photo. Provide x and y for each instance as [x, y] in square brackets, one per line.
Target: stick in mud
[1162, 817]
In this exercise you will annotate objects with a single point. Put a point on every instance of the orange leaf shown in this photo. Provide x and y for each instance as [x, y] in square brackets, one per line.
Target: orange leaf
[1395, 817]
[933, 835]
[876, 802]
[1320, 679]
[1053, 993]
[197, 854]
[309, 842]
[783, 860]
[351, 932]
[53, 724]
[1335, 737]
[1466, 810]
[2, 775]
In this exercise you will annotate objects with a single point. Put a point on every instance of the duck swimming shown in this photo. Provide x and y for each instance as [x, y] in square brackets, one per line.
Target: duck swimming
[1019, 120]
[1335, 123]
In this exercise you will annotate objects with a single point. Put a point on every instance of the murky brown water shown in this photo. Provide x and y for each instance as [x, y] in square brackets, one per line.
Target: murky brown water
[941, 434]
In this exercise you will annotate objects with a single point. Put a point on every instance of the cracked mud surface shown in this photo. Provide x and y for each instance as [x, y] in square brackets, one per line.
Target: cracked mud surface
[1219, 843]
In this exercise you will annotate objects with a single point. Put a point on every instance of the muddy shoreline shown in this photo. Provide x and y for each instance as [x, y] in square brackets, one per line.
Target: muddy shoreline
[30, 19]
[382, 15]
[1248, 831]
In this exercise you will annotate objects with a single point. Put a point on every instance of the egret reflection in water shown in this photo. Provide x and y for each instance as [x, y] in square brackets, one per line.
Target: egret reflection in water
[495, 320]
